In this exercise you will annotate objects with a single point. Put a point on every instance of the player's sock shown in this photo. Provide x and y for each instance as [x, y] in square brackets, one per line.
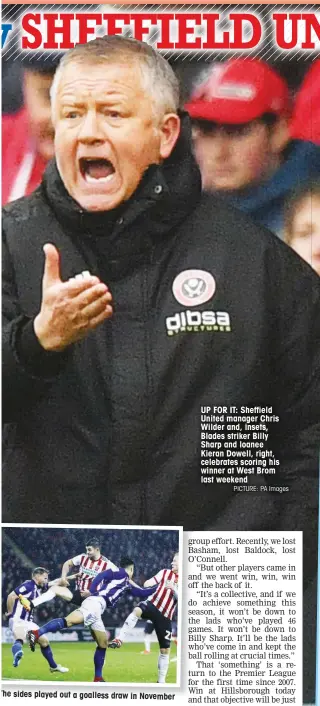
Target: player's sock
[128, 625]
[47, 653]
[163, 664]
[17, 652]
[52, 626]
[47, 596]
[99, 657]
[147, 643]
[16, 646]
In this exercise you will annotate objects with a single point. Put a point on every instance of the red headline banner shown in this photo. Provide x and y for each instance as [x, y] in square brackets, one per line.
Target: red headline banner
[181, 31]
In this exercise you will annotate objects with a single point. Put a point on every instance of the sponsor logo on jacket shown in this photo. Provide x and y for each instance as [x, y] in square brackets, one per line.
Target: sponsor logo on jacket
[198, 322]
[192, 288]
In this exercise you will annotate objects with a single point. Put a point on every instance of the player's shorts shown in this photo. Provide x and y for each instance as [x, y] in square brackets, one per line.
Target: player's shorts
[92, 609]
[149, 627]
[24, 625]
[161, 624]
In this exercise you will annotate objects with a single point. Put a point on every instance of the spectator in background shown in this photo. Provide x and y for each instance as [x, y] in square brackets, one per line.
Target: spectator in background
[305, 124]
[27, 136]
[302, 223]
[242, 141]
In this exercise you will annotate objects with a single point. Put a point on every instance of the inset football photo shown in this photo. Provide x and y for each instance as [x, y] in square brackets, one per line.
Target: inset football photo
[83, 604]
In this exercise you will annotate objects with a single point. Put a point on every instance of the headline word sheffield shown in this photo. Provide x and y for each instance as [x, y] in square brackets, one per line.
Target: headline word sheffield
[166, 30]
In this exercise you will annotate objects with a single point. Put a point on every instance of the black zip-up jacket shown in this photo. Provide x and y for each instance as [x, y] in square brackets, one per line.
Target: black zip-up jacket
[109, 430]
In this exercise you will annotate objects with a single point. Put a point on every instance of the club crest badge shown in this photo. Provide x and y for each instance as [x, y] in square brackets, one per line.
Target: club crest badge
[193, 287]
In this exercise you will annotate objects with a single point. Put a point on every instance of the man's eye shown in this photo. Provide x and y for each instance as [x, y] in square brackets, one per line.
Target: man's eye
[71, 114]
[307, 233]
[114, 114]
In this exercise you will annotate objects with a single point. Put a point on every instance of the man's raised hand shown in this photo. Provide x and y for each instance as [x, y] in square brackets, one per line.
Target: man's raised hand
[69, 310]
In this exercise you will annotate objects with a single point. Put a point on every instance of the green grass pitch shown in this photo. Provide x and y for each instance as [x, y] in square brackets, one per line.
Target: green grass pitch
[124, 665]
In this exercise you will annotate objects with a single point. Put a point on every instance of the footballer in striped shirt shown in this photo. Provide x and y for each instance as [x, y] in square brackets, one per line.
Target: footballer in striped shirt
[88, 565]
[20, 617]
[158, 608]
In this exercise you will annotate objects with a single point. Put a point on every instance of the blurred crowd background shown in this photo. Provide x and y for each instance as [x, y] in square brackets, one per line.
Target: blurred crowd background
[255, 126]
[25, 548]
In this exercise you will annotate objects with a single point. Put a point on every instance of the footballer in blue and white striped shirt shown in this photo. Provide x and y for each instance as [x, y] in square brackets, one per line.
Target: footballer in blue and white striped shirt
[20, 618]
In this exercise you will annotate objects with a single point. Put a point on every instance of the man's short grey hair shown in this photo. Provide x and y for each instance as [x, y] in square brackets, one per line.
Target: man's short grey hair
[158, 77]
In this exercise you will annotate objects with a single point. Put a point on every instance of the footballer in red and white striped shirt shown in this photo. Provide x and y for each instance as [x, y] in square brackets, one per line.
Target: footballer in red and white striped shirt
[165, 598]
[159, 609]
[89, 564]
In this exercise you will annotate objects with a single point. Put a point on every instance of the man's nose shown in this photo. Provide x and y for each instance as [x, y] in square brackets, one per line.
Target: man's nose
[91, 128]
[221, 146]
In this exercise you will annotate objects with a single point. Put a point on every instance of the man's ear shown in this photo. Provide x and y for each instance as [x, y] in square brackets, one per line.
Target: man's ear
[280, 136]
[169, 133]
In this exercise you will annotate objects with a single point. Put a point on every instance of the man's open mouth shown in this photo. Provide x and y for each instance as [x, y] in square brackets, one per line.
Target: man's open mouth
[94, 170]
